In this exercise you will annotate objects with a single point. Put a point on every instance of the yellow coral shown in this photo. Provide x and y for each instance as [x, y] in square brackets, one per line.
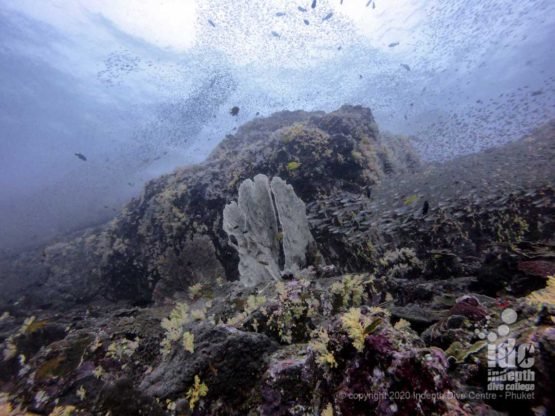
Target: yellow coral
[81, 393]
[545, 296]
[460, 353]
[352, 325]
[328, 410]
[356, 155]
[319, 345]
[254, 301]
[198, 315]
[411, 199]
[195, 291]
[6, 408]
[402, 324]
[99, 372]
[123, 348]
[63, 411]
[358, 326]
[281, 290]
[195, 393]
[31, 325]
[350, 290]
[293, 165]
[171, 405]
[189, 342]
[26, 324]
[173, 325]
[293, 132]
[96, 344]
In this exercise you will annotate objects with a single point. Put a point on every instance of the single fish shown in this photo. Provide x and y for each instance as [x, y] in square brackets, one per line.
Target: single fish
[211, 23]
[306, 22]
[234, 111]
[392, 45]
[275, 34]
[373, 326]
[406, 67]
[327, 17]
[81, 156]
[313, 4]
[425, 208]
[301, 9]
[280, 14]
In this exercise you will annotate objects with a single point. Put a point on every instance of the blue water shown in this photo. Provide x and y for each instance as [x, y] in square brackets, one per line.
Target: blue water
[142, 87]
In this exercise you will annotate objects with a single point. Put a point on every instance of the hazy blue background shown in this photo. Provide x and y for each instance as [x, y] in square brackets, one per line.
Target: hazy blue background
[141, 87]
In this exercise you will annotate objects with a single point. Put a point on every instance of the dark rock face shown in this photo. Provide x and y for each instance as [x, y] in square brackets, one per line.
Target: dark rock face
[288, 383]
[172, 236]
[121, 398]
[232, 360]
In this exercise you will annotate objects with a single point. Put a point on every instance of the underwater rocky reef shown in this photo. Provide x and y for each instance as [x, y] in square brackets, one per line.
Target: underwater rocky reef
[312, 265]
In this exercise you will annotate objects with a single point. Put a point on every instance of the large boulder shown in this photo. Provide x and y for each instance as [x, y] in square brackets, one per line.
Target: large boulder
[224, 358]
[172, 236]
